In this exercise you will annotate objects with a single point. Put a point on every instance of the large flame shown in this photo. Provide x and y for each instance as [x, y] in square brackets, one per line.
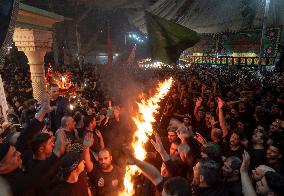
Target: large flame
[143, 121]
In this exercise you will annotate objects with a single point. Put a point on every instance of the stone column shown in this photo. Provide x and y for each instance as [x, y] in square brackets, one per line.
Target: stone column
[34, 43]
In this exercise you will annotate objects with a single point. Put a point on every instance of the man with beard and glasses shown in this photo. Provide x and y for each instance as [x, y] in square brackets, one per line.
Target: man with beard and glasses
[231, 174]
[107, 179]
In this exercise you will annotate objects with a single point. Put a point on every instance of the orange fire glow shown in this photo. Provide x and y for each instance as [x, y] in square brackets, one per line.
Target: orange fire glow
[143, 121]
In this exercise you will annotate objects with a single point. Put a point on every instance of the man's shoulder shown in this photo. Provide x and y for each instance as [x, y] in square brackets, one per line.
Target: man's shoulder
[60, 189]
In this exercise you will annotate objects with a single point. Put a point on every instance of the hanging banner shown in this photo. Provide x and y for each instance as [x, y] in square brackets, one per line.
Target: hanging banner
[3, 101]
[249, 42]
[244, 43]
[8, 13]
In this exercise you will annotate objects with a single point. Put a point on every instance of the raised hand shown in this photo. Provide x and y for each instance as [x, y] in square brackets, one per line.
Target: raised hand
[245, 164]
[88, 140]
[99, 134]
[45, 103]
[60, 144]
[220, 102]
[116, 113]
[158, 145]
[200, 139]
[198, 102]
[203, 88]
[183, 134]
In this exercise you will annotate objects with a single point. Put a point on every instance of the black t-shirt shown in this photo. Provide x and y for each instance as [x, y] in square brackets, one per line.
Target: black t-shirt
[234, 188]
[278, 166]
[216, 190]
[80, 188]
[107, 183]
[257, 157]
[237, 153]
[47, 183]
[16, 176]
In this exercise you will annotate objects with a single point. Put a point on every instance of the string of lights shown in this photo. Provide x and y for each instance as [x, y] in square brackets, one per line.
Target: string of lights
[137, 38]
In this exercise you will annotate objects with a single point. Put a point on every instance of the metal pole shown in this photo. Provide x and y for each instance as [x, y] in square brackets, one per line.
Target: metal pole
[78, 42]
[266, 9]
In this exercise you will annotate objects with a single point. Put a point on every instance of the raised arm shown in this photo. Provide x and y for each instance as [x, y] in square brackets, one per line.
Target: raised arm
[196, 108]
[221, 116]
[149, 171]
[88, 142]
[203, 88]
[214, 85]
[101, 139]
[34, 127]
[247, 186]
[158, 145]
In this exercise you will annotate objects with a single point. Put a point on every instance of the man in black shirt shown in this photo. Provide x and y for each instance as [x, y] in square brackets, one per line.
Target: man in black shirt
[234, 148]
[73, 180]
[24, 182]
[59, 108]
[206, 179]
[107, 179]
[199, 122]
[274, 158]
[90, 124]
[257, 152]
[231, 174]
[42, 146]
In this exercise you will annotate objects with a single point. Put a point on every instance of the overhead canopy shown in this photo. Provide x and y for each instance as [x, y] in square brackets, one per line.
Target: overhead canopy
[35, 17]
[213, 16]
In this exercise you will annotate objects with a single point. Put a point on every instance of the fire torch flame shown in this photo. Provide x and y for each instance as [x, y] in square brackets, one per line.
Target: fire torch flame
[143, 120]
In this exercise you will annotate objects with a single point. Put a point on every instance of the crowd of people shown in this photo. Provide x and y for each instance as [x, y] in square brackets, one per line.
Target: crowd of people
[224, 134]
[221, 133]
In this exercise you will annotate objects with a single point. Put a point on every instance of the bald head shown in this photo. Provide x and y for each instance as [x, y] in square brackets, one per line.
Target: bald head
[105, 160]
[68, 123]
[260, 171]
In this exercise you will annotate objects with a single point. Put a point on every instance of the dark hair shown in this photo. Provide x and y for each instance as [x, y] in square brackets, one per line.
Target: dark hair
[218, 133]
[77, 117]
[240, 133]
[28, 103]
[177, 186]
[210, 170]
[275, 182]
[88, 119]
[69, 162]
[38, 141]
[235, 162]
[177, 142]
[213, 152]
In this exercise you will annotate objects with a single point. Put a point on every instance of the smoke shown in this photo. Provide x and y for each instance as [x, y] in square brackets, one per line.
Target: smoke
[125, 86]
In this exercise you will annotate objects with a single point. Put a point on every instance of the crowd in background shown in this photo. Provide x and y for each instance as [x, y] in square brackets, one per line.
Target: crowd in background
[221, 133]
